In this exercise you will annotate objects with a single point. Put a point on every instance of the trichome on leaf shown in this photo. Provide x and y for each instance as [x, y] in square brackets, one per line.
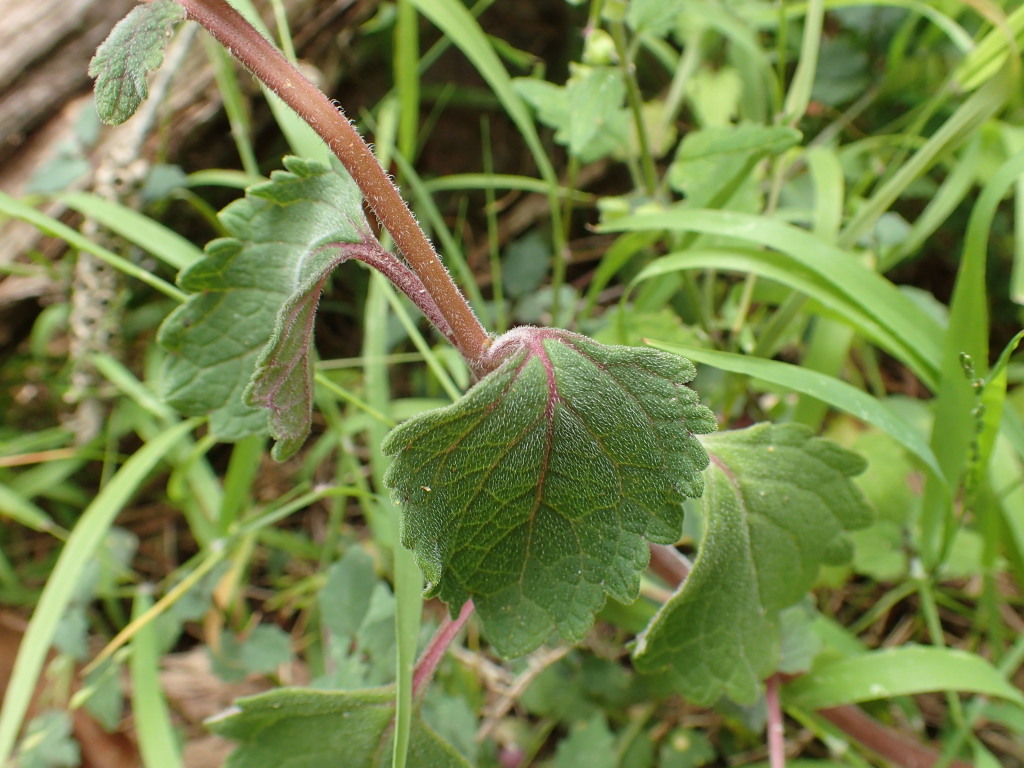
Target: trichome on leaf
[134, 48]
[536, 493]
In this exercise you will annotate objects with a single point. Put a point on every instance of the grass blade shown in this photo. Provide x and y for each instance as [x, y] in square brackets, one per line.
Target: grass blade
[955, 426]
[960, 125]
[897, 672]
[917, 333]
[408, 584]
[50, 226]
[838, 394]
[80, 548]
[157, 742]
[149, 235]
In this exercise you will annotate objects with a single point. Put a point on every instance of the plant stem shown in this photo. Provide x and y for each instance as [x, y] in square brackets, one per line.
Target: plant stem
[776, 732]
[435, 650]
[270, 66]
[649, 179]
[668, 563]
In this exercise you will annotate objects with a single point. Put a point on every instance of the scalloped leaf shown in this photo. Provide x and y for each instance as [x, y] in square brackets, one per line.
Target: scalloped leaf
[256, 291]
[777, 503]
[536, 493]
[350, 728]
[134, 47]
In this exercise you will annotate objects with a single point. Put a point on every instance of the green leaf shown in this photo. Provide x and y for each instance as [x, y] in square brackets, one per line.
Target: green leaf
[711, 163]
[776, 505]
[586, 113]
[685, 748]
[345, 598]
[534, 493]
[827, 389]
[285, 238]
[49, 742]
[656, 17]
[265, 649]
[590, 744]
[132, 49]
[897, 672]
[296, 728]
[800, 643]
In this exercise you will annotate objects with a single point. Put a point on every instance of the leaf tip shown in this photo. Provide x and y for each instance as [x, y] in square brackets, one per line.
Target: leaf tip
[134, 47]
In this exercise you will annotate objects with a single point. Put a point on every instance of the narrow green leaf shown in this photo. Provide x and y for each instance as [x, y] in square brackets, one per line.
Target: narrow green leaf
[897, 672]
[465, 181]
[15, 506]
[257, 290]
[534, 493]
[916, 336]
[459, 26]
[350, 728]
[990, 54]
[302, 139]
[152, 236]
[81, 546]
[955, 427]
[802, 84]
[963, 123]
[158, 743]
[991, 404]
[791, 272]
[50, 226]
[776, 506]
[836, 393]
[132, 49]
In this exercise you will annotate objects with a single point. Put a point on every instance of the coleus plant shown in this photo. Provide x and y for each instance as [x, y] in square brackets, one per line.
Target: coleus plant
[539, 493]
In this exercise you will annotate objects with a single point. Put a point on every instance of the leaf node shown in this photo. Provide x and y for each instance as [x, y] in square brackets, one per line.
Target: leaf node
[535, 494]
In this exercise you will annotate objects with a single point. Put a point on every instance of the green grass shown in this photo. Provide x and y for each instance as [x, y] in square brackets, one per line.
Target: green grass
[839, 283]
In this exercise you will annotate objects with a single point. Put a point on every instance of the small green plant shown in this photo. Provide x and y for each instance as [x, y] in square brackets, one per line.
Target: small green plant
[535, 495]
[540, 497]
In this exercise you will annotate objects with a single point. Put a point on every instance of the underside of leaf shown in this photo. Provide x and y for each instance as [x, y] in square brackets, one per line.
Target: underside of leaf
[537, 492]
[255, 292]
[134, 48]
[777, 503]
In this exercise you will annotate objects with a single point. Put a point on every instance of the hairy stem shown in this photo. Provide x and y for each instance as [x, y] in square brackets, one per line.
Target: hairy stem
[267, 63]
[371, 253]
[435, 650]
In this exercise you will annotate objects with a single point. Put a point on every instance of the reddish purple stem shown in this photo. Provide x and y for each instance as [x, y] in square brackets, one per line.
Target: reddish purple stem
[371, 253]
[268, 64]
[776, 731]
[437, 647]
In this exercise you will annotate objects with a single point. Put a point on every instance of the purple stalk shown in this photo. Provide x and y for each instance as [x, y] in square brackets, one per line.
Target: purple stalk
[437, 647]
[271, 67]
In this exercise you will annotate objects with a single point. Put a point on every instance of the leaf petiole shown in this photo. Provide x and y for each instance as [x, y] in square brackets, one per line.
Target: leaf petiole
[435, 650]
[270, 66]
